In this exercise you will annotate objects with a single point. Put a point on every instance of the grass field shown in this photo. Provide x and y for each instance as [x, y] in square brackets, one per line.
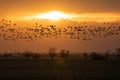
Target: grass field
[59, 69]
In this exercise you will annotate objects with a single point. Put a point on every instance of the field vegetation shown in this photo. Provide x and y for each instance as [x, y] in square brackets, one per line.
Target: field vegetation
[60, 66]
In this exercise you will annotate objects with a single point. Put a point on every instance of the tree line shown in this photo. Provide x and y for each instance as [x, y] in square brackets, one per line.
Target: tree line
[52, 54]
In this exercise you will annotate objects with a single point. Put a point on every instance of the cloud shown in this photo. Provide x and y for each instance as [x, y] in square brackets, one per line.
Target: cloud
[25, 7]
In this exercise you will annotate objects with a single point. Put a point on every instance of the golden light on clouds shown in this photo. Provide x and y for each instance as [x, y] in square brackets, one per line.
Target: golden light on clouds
[78, 17]
[52, 15]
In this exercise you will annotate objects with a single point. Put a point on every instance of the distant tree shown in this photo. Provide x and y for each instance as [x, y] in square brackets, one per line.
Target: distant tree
[64, 53]
[27, 54]
[95, 56]
[85, 55]
[5, 55]
[36, 56]
[52, 52]
[118, 52]
[107, 54]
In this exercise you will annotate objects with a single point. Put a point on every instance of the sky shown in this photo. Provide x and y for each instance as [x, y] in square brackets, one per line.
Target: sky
[19, 8]
[83, 9]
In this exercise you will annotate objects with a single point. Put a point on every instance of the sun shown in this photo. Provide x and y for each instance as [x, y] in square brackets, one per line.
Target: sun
[54, 15]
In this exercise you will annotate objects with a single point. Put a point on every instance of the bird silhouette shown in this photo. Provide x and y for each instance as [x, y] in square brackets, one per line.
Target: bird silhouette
[9, 31]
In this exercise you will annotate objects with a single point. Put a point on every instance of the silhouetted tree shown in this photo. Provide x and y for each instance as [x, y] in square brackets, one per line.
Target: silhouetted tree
[85, 55]
[118, 52]
[36, 56]
[27, 54]
[52, 52]
[64, 53]
[107, 54]
[95, 56]
[5, 55]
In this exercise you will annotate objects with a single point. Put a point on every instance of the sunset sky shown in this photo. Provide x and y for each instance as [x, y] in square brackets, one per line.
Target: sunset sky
[77, 10]
[22, 8]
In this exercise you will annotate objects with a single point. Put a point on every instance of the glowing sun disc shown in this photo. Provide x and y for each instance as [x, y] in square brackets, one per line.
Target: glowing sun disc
[54, 15]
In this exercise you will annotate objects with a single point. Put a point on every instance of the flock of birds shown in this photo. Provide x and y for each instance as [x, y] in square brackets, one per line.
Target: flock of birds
[9, 31]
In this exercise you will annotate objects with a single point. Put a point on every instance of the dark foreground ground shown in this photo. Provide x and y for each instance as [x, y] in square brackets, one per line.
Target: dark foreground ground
[59, 70]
